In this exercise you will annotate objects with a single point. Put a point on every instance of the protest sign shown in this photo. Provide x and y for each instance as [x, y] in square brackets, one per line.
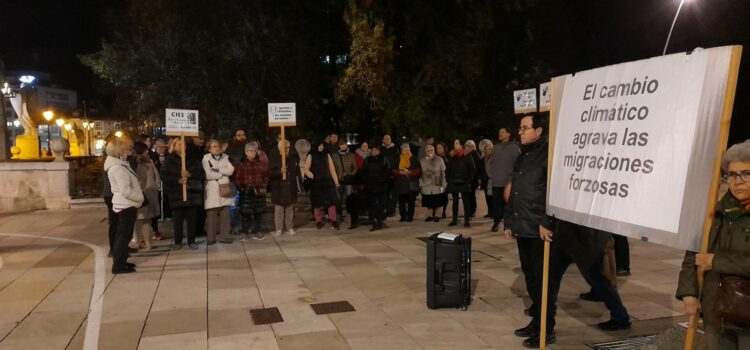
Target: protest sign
[524, 101]
[544, 97]
[635, 145]
[282, 115]
[182, 122]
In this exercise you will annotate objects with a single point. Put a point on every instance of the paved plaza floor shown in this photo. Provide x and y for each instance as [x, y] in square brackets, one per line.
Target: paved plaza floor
[53, 261]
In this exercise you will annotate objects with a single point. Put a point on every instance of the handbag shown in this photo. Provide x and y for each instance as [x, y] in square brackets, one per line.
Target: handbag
[733, 300]
[225, 191]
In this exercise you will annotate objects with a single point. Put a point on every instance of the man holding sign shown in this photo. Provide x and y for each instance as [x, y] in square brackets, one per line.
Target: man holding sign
[526, 218]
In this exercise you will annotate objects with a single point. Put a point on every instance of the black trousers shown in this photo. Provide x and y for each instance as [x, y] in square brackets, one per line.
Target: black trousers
[125, 225]
[112, 222]
[622, 252]
[352, 207]
[498, 204]
[531, 254]
[465, 197]
[378, 203]
[251, 222]
[471, 198]
[406, 203]
[181, 215]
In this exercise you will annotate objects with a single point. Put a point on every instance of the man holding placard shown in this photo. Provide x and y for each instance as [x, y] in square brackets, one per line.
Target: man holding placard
[527, 219]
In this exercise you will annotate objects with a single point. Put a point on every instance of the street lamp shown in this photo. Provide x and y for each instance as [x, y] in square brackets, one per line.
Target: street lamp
[118, 133]
[48, 115]
[8, 92]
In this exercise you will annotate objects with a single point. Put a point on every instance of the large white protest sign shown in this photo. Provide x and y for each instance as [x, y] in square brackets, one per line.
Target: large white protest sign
[282, 114]
[524, 101]
[635, 143]
[182, 122]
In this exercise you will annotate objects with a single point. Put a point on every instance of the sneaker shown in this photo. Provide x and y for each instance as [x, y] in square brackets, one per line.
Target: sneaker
[335, 225]
[177, 247]
[210, 242]
[614, 325]
[226, 240]
[276, 233]
[243, 237]
[193, 246]
[291, 232]
[157, 236]
[259, 236]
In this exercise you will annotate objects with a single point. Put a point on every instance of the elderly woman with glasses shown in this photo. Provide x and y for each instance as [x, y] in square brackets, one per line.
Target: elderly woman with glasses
[728, 255]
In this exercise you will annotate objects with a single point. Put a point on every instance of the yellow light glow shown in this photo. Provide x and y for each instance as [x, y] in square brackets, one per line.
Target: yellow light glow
[48, 115]
[118, 133]
[85, 124]
[91, 125]
[60, 122]
[99, 144]
[68, 127]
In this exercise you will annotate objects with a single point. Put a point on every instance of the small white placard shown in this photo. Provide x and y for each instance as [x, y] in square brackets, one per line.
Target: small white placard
[448, 236]
[282, 114]
[544, 97]
[524, 101]
[182, 122]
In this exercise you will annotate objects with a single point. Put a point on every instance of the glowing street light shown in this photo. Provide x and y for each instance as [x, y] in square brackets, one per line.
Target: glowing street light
[118, 133]
[48, 115]
[60, 122]
[68, 127]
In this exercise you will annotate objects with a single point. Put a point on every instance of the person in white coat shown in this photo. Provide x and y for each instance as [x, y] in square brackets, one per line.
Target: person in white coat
[219, 195]
[127, 197]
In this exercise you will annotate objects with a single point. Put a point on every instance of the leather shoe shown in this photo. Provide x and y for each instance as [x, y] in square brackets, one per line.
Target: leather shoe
[453, 223]
[614, 325]
[590, 296]
[533, 341]
[131, 265]
[126, 269]
[525, 332]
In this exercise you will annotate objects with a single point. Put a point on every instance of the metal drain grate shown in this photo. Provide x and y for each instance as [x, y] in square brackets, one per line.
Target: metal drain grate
[634, 343]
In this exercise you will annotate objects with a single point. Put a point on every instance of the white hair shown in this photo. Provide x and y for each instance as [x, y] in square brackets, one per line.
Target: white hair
[739, 153]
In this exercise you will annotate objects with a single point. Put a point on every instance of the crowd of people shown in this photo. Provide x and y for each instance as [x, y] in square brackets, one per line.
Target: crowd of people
[223, 190]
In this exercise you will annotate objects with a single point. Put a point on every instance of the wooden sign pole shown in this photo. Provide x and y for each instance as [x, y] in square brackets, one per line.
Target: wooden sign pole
[726, 118]
[545, 267]
[184, 168]
[283, 154]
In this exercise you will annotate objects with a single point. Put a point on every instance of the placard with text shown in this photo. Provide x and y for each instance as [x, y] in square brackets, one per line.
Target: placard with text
[634, 146]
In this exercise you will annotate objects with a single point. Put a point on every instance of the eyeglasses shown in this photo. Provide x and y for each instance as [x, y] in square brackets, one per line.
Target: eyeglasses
[733, 176]
[524, 129]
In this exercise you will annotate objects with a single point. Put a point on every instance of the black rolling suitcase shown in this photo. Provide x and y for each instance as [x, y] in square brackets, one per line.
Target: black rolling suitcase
[448, 271]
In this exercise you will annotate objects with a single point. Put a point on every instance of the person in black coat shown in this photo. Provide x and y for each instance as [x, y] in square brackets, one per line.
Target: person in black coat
[172, 179]
[406, 174]
[526, 217]
[284, 191]
[470, 148]
[376, 176]
[459, 172]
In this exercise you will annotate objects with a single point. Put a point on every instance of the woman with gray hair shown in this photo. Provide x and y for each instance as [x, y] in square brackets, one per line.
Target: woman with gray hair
[219, 195]
[127, 197]
[485, 152]
[251, 178]
[432, 183]
[727, 261]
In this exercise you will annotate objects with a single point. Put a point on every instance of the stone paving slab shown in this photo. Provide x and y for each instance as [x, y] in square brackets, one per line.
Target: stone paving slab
[201, 299]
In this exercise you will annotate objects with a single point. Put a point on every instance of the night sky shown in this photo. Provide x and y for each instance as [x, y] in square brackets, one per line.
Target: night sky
[48, 35]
